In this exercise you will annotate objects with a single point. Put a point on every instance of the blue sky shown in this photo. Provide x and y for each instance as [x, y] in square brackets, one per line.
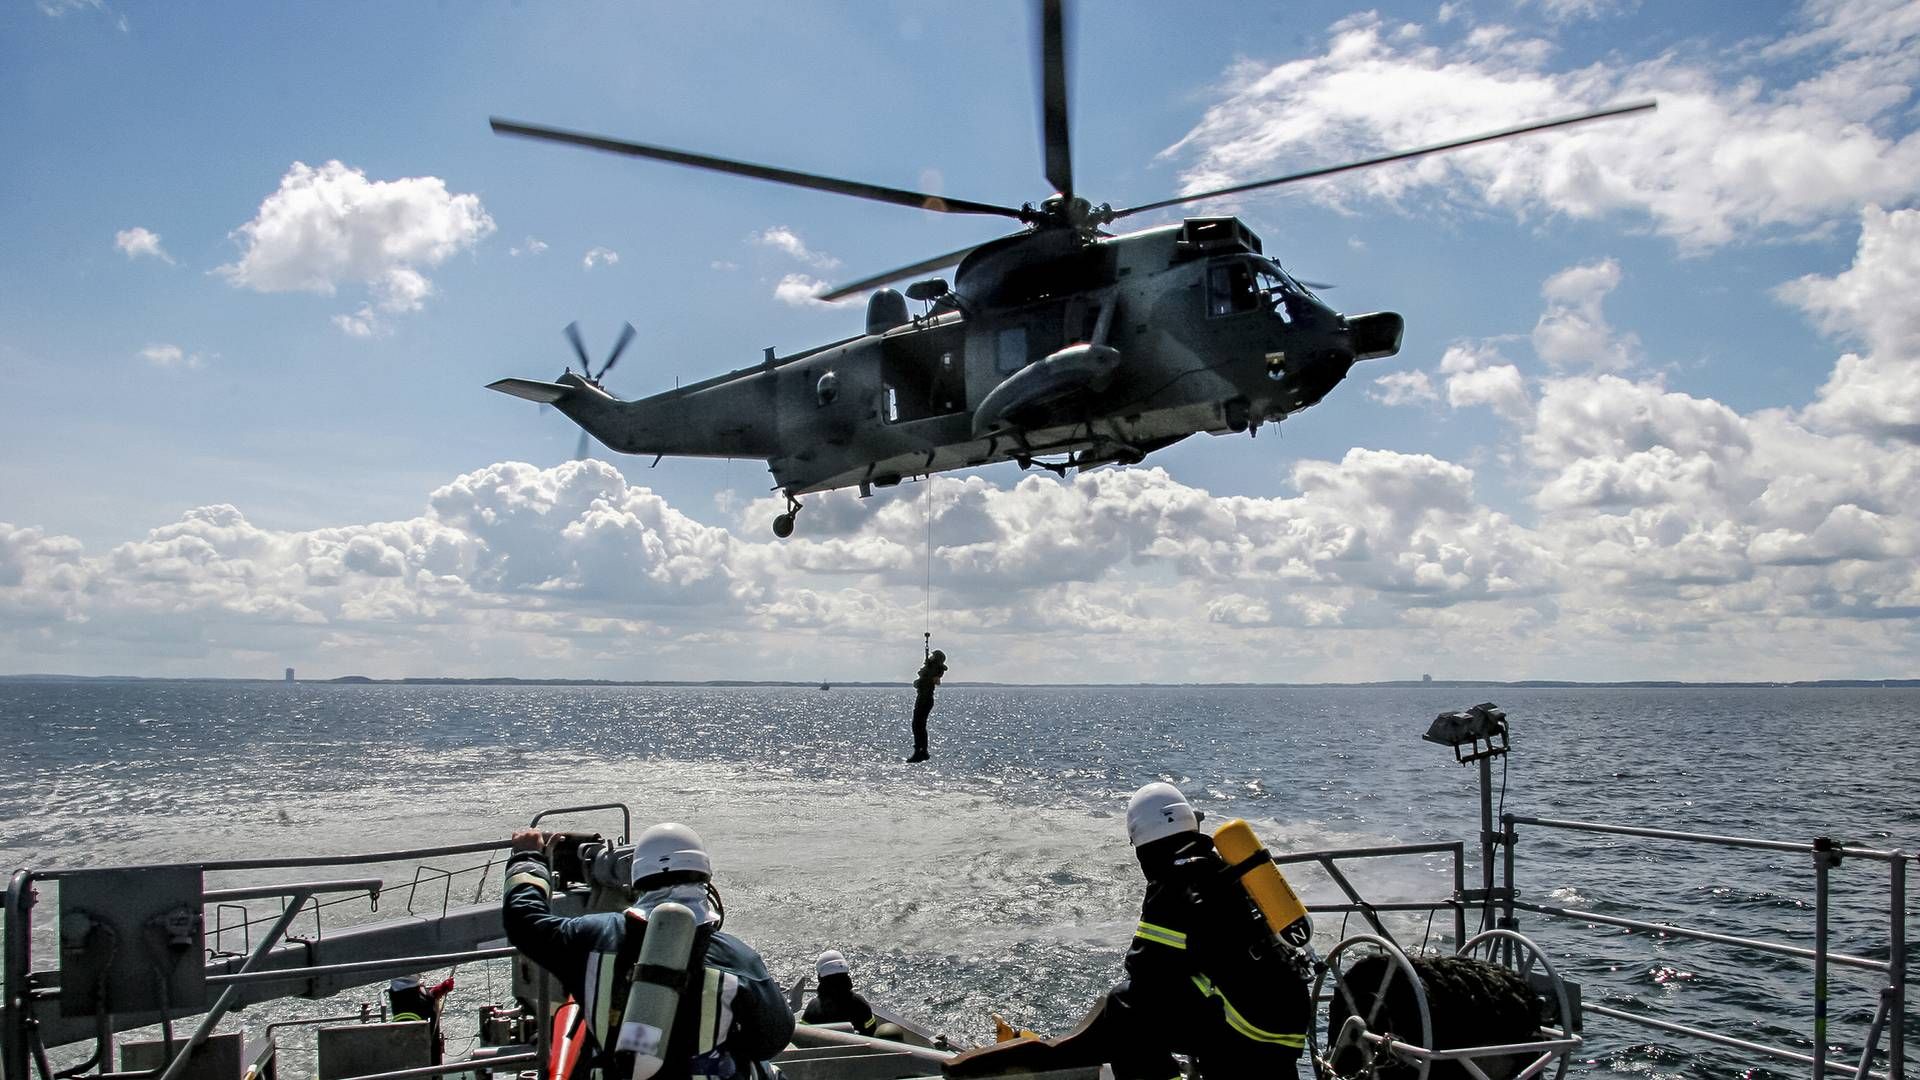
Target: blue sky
[1622, 438]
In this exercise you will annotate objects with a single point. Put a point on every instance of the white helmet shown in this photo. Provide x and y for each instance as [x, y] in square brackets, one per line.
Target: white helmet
[1158, 811]
[831, 963]
[670, 847]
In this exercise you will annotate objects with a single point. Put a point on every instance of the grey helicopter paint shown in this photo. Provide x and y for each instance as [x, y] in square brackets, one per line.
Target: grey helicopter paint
[1062, 345]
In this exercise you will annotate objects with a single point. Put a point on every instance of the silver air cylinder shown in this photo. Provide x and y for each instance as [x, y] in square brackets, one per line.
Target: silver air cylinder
[655, 994]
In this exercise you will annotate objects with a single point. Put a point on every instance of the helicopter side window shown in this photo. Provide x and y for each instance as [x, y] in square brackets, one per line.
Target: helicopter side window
[1010, 349]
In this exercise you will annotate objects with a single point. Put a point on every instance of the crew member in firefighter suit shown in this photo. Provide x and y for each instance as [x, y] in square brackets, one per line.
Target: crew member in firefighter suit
[1205, 978]
[732, 1016]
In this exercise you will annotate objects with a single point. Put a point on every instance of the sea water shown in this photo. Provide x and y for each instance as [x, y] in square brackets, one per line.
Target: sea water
[997, 876]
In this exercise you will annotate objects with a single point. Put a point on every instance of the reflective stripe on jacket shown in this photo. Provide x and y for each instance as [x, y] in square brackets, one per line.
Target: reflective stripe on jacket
[1200, 969]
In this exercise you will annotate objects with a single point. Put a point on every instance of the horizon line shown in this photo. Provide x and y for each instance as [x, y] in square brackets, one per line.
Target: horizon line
[827, 684]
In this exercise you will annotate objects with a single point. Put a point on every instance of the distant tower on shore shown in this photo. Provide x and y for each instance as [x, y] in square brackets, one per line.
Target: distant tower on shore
[1423, 678]
[289, 674]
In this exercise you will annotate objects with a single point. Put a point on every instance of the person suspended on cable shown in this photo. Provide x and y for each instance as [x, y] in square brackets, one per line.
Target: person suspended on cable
[923, 686]
[1207, 976]
[661, 989]
[836, 1002]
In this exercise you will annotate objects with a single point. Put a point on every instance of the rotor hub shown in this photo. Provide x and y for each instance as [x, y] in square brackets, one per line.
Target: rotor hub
[1067, 211]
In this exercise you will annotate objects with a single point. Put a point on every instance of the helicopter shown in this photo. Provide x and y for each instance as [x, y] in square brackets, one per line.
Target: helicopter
[1063, 345]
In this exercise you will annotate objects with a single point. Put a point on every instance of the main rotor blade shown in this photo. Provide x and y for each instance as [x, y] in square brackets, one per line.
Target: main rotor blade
[580, 451]
[1455, 144]
[857, 189]
[579, 347]
[626, 336]
[1056, 144]
[920, 267]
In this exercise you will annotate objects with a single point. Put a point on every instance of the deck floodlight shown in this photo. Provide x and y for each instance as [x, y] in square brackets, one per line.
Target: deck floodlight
[1479, 731]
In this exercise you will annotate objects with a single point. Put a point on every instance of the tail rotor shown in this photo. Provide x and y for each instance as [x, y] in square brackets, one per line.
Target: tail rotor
[627, 332]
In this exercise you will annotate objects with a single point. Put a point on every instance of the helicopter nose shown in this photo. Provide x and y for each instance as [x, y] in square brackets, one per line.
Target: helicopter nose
[1375, 334]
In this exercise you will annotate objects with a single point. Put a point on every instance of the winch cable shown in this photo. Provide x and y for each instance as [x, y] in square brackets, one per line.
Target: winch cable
[926, 634]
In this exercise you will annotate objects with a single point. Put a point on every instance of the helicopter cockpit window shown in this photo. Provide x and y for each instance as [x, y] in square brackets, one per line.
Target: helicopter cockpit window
[1240, 285]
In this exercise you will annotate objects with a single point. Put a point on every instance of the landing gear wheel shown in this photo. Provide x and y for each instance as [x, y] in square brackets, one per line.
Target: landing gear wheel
[783, 525]
[1362, 1048]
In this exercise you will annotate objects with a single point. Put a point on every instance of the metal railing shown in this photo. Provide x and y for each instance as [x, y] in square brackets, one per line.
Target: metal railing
[1329, 859]
[31, 1013]
[1890, 1014]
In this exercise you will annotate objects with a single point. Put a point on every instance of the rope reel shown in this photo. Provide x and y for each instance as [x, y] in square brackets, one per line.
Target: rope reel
[1496, 1010]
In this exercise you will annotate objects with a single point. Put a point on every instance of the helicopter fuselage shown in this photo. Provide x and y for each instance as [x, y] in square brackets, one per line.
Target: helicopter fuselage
[1093, 350]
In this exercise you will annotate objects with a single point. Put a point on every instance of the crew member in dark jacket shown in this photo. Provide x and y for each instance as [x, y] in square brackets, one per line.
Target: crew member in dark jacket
[1205, 977]
[732, 1015]
[837, 1002]
[923, 686]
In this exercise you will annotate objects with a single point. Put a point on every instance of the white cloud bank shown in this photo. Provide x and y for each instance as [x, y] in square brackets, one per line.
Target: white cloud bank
[1725, 155]
[331, 226]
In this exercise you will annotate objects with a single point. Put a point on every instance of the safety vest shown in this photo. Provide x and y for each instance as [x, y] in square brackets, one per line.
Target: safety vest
[608, 981]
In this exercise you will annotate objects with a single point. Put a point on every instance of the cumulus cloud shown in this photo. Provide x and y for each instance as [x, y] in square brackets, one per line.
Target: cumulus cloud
[799, 290]
[138, 242]
[1480, 375]
[1726, 155]
[600, 256]
[1748, 525]
[781, 238]
[331, 226]
[1403, 388]
[1878, 391]
[533, 246]
[362, 323]
[172, 356]
[1573, 332]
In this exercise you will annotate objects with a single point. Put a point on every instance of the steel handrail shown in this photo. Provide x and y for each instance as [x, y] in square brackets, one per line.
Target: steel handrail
[1844, 850]
[405, 963]
[1826, 855]
[284, 863]
[1756, 944]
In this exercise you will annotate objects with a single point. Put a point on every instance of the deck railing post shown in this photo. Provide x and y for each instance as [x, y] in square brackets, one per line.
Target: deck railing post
[1459, 895]
[1897, 969]
[18, 948]
[1824, 857]
[1509, 840]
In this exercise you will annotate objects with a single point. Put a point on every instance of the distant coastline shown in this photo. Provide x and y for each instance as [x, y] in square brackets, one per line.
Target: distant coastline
[1516, 684]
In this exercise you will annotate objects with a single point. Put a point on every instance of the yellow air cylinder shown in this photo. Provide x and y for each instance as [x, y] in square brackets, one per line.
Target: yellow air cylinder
[1286, 915]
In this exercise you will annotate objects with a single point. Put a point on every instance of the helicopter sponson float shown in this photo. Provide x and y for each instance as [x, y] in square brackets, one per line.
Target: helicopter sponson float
[1063, 345]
